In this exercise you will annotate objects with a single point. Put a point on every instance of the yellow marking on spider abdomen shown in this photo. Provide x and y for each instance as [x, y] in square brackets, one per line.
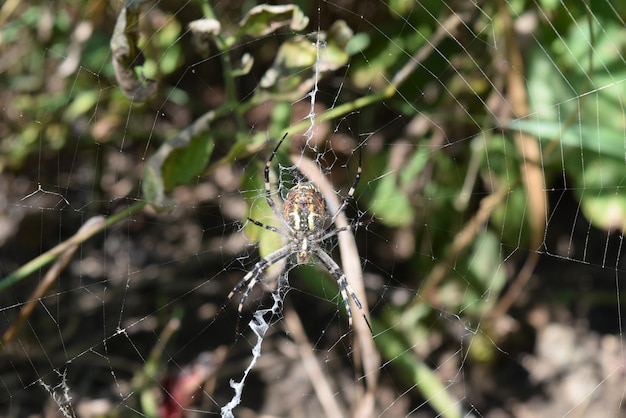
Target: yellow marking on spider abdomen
[304, 203]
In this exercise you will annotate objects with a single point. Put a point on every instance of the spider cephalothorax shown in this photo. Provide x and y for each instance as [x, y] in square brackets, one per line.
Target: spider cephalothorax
[305, 225]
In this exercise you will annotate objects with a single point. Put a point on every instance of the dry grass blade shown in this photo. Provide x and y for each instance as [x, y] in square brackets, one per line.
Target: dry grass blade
[351, 264]
[52, 275]
[320, 383]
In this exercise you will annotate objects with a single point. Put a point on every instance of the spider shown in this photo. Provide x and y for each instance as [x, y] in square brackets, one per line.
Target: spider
[303, 219]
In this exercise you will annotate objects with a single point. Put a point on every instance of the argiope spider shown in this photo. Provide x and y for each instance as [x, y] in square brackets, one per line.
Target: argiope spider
[304, 219]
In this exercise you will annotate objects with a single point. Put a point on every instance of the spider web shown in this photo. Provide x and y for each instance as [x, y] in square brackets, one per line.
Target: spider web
[488, 223]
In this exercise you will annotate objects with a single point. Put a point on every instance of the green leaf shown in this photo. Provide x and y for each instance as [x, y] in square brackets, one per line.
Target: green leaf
[400, 8]
[292, 66]
[299, 61]
[176, 162]
[391, 205]
[167, 41]
[358, 43]
[82, 103]
[252, 186]
[391, 202]
[184, 164]
[152, 184]
[259, 210]
[605, 139]
[265, 19]
[602, 192]
[605, 210]
[486, 274]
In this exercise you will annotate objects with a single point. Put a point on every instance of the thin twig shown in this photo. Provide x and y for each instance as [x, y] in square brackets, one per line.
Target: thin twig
[351, 264]
[530, 162]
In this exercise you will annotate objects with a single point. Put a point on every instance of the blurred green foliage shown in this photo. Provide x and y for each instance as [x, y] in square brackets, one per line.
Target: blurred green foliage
[60, 93]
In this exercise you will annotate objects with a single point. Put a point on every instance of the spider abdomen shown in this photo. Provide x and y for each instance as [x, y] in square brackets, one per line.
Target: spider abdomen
[305, 209]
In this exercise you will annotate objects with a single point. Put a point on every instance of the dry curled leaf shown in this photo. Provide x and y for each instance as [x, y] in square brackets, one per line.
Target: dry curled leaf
[127, 56]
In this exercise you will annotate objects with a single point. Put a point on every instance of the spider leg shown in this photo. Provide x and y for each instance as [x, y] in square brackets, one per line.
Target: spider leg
[350, 194]
[268, 227]
[250, 279]
[332, 233]
[344, 287]
[268, 185]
